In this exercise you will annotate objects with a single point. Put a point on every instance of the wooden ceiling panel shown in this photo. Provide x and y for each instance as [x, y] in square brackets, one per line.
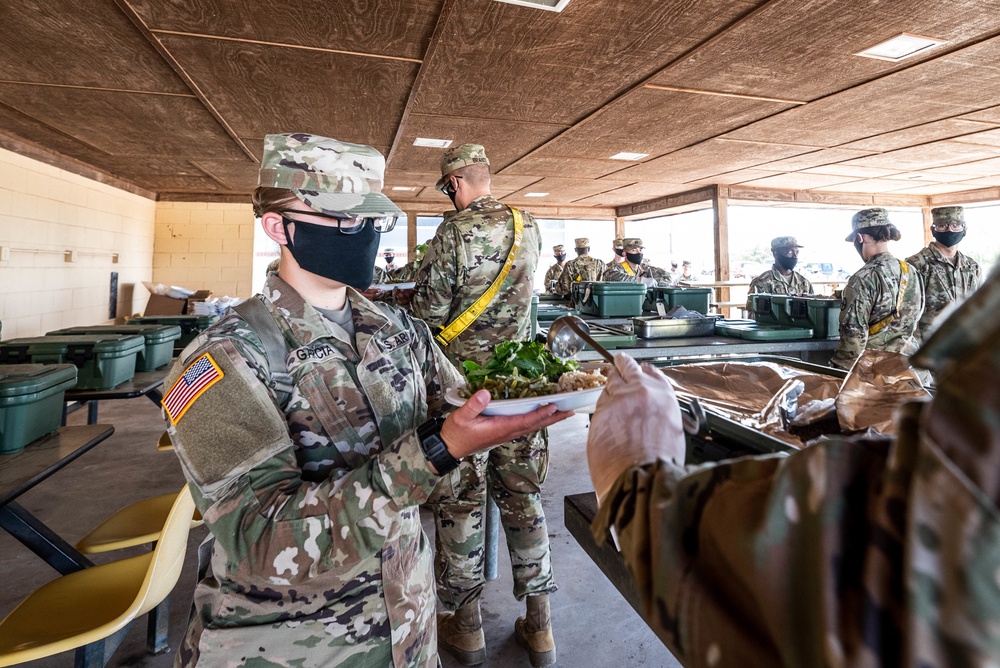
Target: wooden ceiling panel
[90, 44]
[260, 89]
[950, 128]
[236, 175]
[989, 167]
[399, 28]
[558, 67]
[562, 191]
[928, 156]
[15, 124]
[982, 182]
[991, 115]
[730, 178]
[870, 186]
[636, 192]
[583, 167]
[656, 122]
[814, 159]
[803, 51]
[941, 189]
[126, 123]
[988, 138]
[708, 159]
[929, 176]
[799, 181]
[504, 141]
[851, 170]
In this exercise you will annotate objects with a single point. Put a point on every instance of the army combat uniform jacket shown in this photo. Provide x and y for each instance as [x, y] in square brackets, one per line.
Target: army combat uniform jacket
[851, 553]
[319, 556]
[944, 281]
[870, 296]
[584, 268]
[462, 261]
[771, 282]
[618, 272]
[552, 277]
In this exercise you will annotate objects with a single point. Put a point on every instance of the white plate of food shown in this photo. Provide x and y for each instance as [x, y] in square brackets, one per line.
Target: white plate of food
[564, 401]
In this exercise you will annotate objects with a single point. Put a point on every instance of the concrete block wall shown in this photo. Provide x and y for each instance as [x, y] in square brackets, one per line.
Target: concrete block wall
[45, 212]
[205, 246]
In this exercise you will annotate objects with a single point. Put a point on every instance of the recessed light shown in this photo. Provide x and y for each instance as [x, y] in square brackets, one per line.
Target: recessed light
[901, 46]
[432, 143]
[550, 5]
[628, 156]
[404, 187]
[536, 194]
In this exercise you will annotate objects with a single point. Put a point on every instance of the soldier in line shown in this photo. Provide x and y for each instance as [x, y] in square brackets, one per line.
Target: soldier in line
[948, 274]
[309, 425]
[408, 271]
[863, 551]
[781, 278]
[582, 268]
[687, 274]
[633, 269]
[618, 246]
[464, 261]
[555, 271]
[882, 301]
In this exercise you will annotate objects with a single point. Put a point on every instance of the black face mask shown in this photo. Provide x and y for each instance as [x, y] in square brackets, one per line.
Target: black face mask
[389, 258]
[948, 238]
[324, 251]
[561, 258]
[787, 262]
[858, 246]
[620, 252]
[634, 258]
[450, 191]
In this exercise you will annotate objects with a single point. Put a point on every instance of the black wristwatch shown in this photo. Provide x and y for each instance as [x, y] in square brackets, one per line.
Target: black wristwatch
[434, 447]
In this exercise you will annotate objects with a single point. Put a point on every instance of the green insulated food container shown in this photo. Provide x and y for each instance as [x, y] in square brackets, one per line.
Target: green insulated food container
[102, 360]
[159, 341]
[763, 309]
[191, 326]
[31, 402]
[819, 313]
[693, 299]
[780, 310]
[756, 331]
[609, 299]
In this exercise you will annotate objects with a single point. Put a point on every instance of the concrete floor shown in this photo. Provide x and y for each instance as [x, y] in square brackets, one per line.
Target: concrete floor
[593, 624]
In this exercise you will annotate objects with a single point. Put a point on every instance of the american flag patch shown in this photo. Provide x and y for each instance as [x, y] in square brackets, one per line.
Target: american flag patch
[200, 375]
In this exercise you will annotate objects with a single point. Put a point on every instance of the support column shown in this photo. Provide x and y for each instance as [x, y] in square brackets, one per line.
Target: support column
[411, 234]
[619, 227]
[720, 210]
[928, 237]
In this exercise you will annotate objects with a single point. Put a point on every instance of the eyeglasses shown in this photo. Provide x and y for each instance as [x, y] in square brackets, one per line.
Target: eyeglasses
[449, 187]
[345, 224]
[954, 227]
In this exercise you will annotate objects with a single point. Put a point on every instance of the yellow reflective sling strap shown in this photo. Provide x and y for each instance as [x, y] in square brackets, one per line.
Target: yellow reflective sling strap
[463, 321]
[628, 269]
[904, 279]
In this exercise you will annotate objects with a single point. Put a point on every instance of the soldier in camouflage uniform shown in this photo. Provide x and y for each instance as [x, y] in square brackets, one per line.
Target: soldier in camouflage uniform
[555, 271]
[857, 551]
[306, 441]
[634, 270]
[408, 272]
[463, 259]
[618, 246]
[875, 312]
[947, 273]
[582, 268]
[781, 279]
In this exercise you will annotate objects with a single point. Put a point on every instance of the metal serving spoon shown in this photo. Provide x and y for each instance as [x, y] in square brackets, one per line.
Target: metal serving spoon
[569, 334]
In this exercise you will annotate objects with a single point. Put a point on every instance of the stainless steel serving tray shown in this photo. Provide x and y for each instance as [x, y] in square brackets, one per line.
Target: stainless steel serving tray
[655, 327]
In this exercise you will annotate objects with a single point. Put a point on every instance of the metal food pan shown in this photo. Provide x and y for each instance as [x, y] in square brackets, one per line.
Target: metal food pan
[655, 327]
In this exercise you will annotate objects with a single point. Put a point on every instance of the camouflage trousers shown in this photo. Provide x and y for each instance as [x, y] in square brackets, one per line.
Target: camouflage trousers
[515, 471]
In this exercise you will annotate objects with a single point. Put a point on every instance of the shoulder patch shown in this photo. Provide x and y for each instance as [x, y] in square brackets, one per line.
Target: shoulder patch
[200, 375]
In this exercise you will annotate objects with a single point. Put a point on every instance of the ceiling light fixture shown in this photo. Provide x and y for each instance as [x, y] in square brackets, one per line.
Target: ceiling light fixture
[404, 188]
[549, 5]
[899, 47]
[628, 156]
[536, 194]
[432, 143]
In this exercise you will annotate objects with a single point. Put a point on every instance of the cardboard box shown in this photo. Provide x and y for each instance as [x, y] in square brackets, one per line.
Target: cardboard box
[199, 296]
[163, 305]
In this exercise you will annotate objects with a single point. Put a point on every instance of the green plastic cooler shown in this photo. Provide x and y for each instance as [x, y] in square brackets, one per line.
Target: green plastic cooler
[191, 326]
[159, 340]
[31, 402]
[103, 361]
[693, 299]
[822, 314]
[608, 299]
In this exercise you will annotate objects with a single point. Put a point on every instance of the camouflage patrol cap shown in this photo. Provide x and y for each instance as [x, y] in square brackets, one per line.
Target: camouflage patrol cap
[867, 218]
[558, 249]
[582, 242]
[328, 175]
[388, 250]
[686, 263]
[458, 157]
[619, 242]
[632, 243]
[784, 242]
[948, 215]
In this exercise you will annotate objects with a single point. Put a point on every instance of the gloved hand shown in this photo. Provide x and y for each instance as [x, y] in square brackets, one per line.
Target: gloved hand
[637, 420]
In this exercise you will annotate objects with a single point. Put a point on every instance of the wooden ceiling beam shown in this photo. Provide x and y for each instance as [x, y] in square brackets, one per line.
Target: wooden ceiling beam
[966, 197]
[667, 202]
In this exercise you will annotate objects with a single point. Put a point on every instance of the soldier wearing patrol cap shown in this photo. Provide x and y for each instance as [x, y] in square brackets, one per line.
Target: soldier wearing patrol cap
[948, 274]
[633, 269]
[581, 268]
[882, 301]
[781, 278]
[618, 246]
[467, 264]
[309, 424]
[382, 273]
[554, 273]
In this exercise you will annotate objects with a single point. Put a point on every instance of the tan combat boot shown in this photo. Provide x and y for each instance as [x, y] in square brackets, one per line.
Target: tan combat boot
[534, 631]
[461, 634]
